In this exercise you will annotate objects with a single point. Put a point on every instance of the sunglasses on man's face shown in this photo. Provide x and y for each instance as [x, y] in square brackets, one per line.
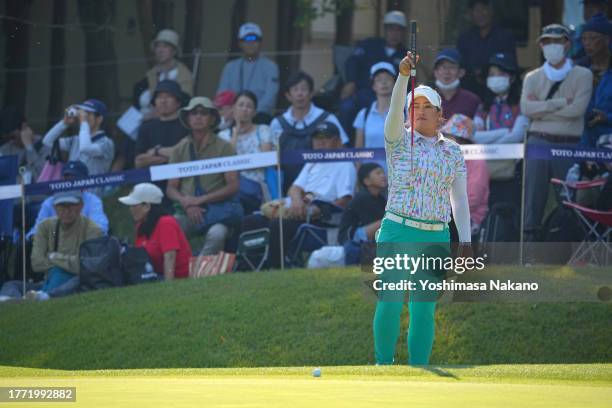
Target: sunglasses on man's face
[201, 112]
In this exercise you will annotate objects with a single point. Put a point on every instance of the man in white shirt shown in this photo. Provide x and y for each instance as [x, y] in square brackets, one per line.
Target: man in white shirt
[332, 182]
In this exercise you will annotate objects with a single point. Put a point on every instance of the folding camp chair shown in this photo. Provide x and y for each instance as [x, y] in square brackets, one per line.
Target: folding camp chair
[312, 235]
[253, 249]
[596, 247]
[8, 176]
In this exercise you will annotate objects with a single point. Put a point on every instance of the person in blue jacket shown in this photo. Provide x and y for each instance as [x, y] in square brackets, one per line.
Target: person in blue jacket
[357, 93]
[596, 42]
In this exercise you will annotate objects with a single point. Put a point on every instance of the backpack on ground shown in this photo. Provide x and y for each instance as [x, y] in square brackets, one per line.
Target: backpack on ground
[100, 262]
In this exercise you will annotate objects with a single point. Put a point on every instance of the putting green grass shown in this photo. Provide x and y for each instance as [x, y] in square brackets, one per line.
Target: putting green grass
[522, 386]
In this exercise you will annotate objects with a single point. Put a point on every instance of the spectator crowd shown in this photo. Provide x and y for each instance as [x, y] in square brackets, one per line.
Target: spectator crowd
[485, 96]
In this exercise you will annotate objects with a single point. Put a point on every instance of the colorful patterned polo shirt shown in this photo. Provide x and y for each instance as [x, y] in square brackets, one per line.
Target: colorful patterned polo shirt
[424, 191]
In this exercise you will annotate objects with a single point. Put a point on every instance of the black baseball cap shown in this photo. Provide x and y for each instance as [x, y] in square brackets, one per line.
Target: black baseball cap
[75, 168]
[326, 129]
[504, 61]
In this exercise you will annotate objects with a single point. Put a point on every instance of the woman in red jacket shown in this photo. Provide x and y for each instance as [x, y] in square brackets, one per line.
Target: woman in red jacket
[157, 232]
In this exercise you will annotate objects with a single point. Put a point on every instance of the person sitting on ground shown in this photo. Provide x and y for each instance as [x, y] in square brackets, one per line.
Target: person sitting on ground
[166, 50]
[364, 213]
[158, 232]
[247, 137]
[293, 129]
[460, 129]
[224, 102]
[252, 72]
[56, 250]
[332, 183]
[91, 146]
[208, 202]
[448, 73]
[19, 140]
[93, 208]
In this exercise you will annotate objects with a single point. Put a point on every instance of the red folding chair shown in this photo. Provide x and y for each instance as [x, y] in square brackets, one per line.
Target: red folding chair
[596, 245]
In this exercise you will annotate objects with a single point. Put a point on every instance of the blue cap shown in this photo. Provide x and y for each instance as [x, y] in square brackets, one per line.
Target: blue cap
[599, 24]
[450, 54]
[327, 129]
[93, 105]
[75, 169]
[504, 61]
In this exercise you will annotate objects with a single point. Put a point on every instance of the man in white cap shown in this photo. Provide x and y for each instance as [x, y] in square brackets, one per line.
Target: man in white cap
[252, 72]
[357, 93]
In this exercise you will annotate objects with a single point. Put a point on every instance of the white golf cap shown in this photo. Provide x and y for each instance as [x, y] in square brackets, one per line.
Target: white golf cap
[143, 193]
[382, 66]
[249, 29]
[395, 17]
[432, 96]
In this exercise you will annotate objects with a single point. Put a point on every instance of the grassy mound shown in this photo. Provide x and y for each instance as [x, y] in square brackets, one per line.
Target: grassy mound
[291, 318]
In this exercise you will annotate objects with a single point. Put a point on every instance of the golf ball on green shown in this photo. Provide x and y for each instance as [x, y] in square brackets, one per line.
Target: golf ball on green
[316, 372]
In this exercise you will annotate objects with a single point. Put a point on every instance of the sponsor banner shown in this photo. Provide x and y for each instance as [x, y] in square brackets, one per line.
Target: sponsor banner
[211, 166]
[492, 151]
[322, 156]
[95, 181]
[575, 153]
[9, 192]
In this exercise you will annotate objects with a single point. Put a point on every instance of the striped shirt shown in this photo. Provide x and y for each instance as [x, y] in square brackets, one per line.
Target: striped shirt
[423, 192]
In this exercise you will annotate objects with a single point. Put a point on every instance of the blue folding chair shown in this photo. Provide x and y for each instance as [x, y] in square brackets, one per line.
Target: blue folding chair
[8, 176]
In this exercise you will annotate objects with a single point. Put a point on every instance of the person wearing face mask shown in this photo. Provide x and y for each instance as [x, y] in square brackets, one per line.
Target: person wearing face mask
[448, 73]
[499, 120]
[554, 97]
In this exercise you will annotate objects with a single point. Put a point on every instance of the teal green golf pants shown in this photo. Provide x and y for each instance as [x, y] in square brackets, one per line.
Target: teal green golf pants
[387, 316]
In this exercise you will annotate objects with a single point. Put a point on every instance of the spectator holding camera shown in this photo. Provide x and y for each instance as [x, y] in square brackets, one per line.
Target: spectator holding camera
[206, 203]
[91, 146]
[158, 232]
[554, 97]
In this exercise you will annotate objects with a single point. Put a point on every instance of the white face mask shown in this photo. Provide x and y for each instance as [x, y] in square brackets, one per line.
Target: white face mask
[553, 53]
[447, 87]
[498, 84]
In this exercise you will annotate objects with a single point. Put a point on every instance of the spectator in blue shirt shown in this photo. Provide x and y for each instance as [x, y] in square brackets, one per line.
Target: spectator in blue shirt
[357, 93]
[478, 43]
[92, 204]
[596, 42]
[370, 121]
[591, 8]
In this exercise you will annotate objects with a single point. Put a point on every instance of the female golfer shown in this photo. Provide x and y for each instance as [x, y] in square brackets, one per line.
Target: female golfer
[427, 178]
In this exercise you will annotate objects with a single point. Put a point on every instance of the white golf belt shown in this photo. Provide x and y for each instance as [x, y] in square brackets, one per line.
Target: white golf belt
[412, 223]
